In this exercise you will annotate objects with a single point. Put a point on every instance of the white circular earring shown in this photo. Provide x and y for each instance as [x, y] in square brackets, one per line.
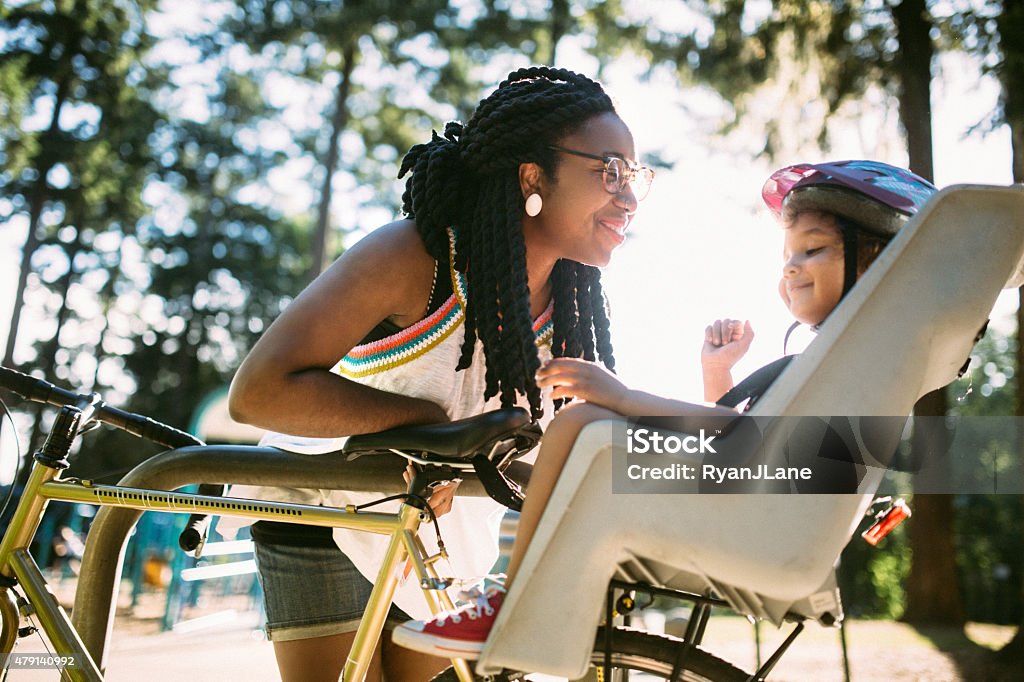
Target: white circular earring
[534, 203]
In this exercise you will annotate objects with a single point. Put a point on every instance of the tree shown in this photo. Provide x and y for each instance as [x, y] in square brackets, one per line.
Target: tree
[221, 259]
[74, 177]
[153, 256]
[933, 570]
[95, 129]
[1010, 24]
[387, 66]
[991, 30]
[320, 46]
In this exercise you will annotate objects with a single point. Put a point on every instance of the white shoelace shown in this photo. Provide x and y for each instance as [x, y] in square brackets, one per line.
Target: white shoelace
[479, 602]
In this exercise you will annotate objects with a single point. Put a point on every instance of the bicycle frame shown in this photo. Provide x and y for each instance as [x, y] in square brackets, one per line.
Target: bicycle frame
[44, 484]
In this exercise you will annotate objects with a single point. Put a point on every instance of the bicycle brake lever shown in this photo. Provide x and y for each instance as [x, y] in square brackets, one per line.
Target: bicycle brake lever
[90, 425]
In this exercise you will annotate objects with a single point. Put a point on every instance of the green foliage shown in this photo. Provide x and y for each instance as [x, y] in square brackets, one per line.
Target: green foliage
[155, 264]
[989, 532]
[786, 66]
[164, 246]
[872, 578]
[989, 385]
[76, 124]
[990, 539]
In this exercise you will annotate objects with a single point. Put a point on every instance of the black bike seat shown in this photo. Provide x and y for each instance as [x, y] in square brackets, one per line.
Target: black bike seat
[458, 440]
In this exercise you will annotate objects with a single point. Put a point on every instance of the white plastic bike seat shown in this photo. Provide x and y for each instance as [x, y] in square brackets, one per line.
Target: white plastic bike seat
[905, 329]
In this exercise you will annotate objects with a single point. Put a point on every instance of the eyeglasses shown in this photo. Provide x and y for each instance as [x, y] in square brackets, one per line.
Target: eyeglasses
[618, 173]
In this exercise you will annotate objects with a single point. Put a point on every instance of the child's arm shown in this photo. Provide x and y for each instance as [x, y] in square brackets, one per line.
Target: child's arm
[725, 342]
[572, 378]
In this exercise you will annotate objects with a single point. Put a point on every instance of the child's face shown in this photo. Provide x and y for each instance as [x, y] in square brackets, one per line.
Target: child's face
[812, 268]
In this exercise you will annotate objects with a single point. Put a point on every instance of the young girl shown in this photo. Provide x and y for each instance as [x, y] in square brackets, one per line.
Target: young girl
[837, 218]
[442, 315]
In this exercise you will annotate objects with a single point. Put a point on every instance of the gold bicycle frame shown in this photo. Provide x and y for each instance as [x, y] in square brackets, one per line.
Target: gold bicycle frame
[44, 484]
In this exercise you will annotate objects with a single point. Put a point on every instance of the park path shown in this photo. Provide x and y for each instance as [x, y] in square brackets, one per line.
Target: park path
[221, 641]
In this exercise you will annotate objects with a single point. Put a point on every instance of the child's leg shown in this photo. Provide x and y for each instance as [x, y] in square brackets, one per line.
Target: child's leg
[452, 633]
[554, 450]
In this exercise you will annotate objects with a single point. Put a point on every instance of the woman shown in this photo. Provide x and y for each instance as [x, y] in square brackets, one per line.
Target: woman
[436, 317]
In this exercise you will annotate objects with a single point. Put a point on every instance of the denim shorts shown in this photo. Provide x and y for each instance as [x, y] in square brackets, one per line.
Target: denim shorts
[313, 592]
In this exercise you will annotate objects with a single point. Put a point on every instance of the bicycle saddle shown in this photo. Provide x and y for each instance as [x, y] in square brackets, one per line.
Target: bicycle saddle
[458, 440]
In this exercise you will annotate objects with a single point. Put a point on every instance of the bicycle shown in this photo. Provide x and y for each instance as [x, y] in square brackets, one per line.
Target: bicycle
[487, 443]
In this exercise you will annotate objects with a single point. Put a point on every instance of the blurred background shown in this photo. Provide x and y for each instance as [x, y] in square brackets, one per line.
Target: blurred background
[172, 173]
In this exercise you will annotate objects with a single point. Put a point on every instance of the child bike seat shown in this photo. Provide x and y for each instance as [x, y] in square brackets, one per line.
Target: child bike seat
[905, 329]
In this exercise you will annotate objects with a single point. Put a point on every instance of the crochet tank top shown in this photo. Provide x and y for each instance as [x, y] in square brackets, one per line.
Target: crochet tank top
[417, 361]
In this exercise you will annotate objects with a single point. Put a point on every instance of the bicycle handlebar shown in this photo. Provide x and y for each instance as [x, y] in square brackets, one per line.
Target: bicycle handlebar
[40, 391]
[193, 536]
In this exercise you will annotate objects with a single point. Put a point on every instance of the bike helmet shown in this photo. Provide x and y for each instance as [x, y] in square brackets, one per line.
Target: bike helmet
[878, 197]
[867, 197]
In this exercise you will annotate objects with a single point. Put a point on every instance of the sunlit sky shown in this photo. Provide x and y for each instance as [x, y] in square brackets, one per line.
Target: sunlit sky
[702, 246]
[705, 247]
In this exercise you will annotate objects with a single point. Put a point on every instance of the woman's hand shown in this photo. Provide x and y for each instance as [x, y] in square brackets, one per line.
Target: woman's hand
[725, 342]
[573, 378]
[441, 497]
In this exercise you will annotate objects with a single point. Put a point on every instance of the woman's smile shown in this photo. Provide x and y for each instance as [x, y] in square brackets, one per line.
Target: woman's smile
[617, 226]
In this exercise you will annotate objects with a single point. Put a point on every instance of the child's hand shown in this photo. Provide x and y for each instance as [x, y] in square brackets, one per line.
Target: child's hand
[725, 342]
[574, 378]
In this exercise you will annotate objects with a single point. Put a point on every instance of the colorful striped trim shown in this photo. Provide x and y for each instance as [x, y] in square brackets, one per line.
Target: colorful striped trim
[459, 282]
[412, 342]
[544, 326]
[406, 345]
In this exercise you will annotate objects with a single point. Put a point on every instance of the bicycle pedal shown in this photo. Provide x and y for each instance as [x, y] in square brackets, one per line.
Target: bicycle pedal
[27, 630]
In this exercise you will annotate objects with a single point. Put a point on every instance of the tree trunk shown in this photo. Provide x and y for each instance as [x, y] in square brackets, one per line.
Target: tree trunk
[338, 123]
[47, 358]
[1014, 649]
[933, 590]
[560, 18]
[32, 241]
[914, 67]
[1011, 75]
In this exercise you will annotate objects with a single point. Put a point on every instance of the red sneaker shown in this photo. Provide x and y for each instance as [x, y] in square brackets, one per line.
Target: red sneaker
[458, 634]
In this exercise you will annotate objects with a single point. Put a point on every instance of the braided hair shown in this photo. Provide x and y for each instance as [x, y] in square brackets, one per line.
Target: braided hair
[468, 179]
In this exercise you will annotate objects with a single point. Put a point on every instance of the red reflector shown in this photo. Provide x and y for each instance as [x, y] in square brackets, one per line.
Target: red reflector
[888, 520]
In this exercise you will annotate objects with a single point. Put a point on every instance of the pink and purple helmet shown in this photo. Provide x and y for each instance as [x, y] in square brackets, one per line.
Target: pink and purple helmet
[877, 197]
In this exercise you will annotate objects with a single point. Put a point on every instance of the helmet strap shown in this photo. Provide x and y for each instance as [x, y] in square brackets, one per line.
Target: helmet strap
[789, 332]
[849, 258]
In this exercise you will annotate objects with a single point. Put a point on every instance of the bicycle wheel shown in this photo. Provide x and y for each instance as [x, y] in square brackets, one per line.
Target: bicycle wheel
[642, 652]
[9, 621]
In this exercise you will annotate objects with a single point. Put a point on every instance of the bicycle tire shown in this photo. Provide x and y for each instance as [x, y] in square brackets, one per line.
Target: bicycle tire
[10, 621]
[644, 652]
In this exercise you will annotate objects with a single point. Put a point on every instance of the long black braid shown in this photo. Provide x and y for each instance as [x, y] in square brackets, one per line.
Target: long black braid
[468, 180]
